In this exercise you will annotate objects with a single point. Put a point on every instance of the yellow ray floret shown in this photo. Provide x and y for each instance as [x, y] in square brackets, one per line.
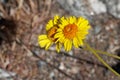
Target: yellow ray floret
[44, 41]
[52, 23]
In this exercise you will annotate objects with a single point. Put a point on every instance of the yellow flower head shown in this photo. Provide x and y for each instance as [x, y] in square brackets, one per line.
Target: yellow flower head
[72, 31]
[47, 40]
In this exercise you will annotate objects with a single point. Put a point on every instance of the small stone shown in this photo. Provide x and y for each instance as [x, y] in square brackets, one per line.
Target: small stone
[5, 74]
[62, 67]
[83, 8]
[98, 6]
[52, 75]
[97, 29]
[41, 64]
[113, 7]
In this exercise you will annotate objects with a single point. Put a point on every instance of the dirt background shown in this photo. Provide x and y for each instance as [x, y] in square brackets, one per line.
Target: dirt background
[21, 58]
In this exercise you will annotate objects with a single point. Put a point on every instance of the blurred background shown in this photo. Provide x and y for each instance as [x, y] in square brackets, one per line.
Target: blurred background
[21, 58]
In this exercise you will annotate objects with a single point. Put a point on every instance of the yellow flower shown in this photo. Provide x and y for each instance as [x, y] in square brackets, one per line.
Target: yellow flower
[72, 31]
[47, 40]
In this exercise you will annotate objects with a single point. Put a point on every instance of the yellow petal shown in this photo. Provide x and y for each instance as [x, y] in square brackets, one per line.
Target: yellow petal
[58, 46]
[65, 44]
[59, 30]
[80, 39]
[80, 20]
[88, 27]
[60, 39]
[83, 24]
[68, 45]
[82, 34]
[48, 45]
[75, 42]
[58, 35]
[80, 42]
[41, 37]
[44, 42]
[49, 25]
[64, 22]
[72, 19]
[56, 19]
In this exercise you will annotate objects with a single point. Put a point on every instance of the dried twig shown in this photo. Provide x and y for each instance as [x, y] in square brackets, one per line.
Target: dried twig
[85, 60]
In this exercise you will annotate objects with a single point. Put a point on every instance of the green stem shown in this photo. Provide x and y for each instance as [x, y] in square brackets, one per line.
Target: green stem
[108, 54]
[99, 58]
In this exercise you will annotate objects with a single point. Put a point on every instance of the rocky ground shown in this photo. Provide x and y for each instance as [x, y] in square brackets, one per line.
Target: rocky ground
[21, 58]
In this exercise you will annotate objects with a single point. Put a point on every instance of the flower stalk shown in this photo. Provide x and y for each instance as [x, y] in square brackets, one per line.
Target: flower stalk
[100, 59]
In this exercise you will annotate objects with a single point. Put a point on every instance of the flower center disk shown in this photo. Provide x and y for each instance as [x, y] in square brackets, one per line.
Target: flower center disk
[70, 31]
[51, 33]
